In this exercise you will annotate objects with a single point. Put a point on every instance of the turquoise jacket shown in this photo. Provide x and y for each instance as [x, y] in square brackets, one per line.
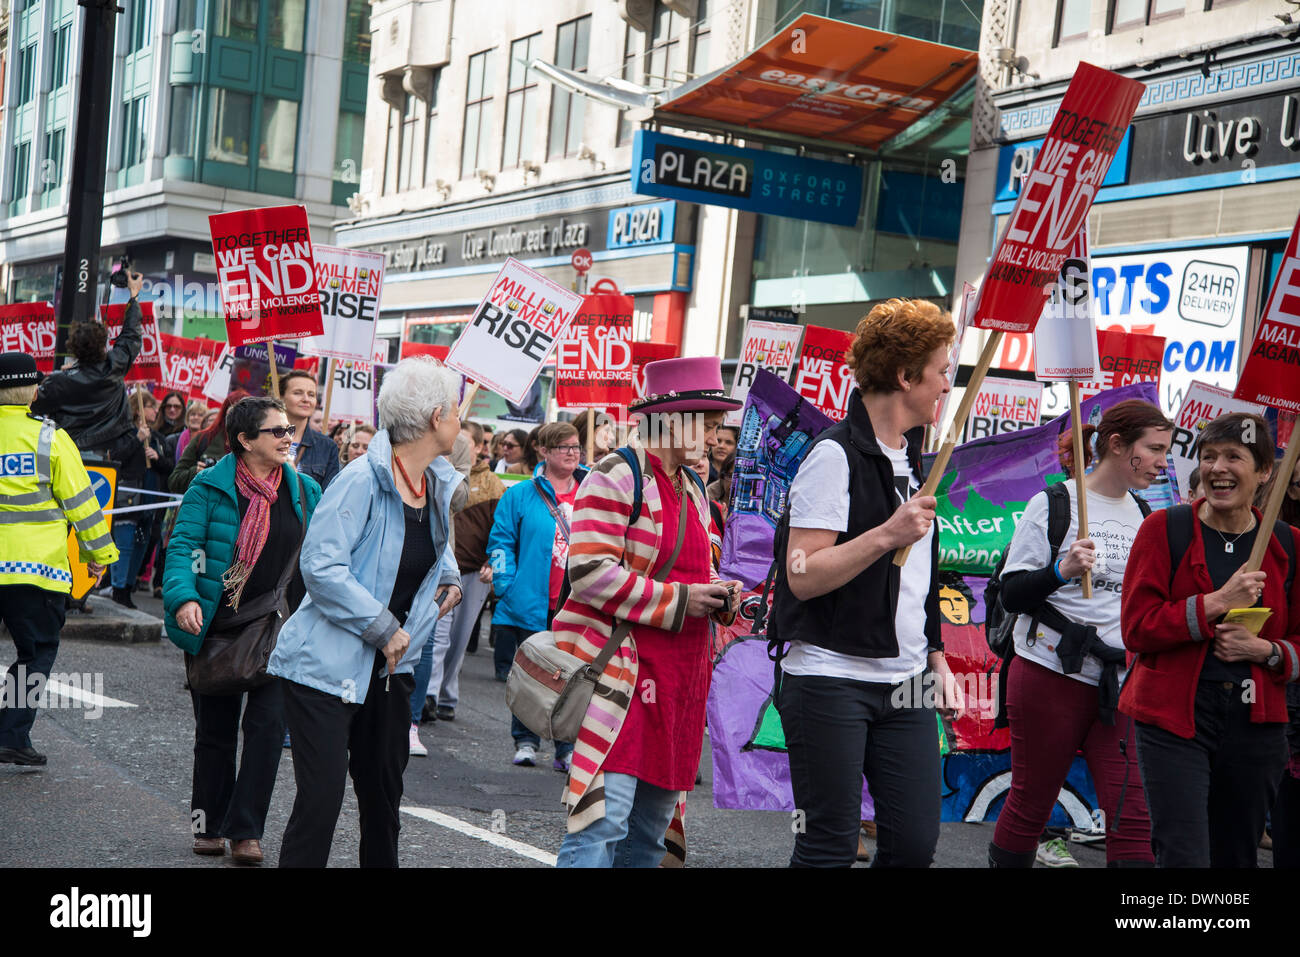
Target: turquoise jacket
[349, 565]
[203, 543]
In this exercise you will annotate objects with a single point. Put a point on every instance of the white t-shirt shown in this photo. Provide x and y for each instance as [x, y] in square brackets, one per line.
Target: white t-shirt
[819, 498]
[1112, 524]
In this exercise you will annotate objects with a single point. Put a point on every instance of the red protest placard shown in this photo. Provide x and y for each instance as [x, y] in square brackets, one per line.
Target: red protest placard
[1054, 200]
[148, 365]
[267, 274]
[1125, 358]
[29, 327]
[823, 377]
[424, 349]
[593, 362]
[644, 353]
[1272, 371]
[186, 364]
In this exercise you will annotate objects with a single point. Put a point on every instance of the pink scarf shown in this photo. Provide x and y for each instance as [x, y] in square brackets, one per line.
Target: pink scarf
[253, 530]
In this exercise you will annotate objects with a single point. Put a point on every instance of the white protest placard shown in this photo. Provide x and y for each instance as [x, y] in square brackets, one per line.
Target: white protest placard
[1003, 405]
[1202, 404]
[354, 391]
[1065, 339]
[513, 330]
[773, 346]
[350, 282]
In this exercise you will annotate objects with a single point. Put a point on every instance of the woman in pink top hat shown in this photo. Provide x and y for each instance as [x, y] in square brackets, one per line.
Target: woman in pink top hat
[639, 747]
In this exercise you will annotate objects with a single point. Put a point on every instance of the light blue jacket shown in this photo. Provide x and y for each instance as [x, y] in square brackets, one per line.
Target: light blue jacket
[519, 550]
[349, 564]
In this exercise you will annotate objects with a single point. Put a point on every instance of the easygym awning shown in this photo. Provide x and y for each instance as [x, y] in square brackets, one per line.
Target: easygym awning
[826, 82]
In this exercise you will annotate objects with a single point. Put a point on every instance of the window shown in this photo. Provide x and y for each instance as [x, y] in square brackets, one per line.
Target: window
[478, 102]
[700, 40]
[356, 32]
[135, 131]
[230, 127]
[59, 56]
[569, 111]
[52, 166]
[521, 103]
[138, 30]
[285, 20]
[407, 168]
[431, 133]
[1136, 13]
[279, 135]
[186, 15]
[180, 128]
[655, 61]
[347, 148]
[237, 20]
[26, 74]
[1072, 18]
[22, 161]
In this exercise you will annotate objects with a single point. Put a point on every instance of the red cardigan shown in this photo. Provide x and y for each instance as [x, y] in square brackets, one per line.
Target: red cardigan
[1164, 622]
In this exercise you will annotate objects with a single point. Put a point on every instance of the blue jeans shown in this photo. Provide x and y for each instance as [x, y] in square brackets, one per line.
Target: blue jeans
[506, 638]
[423, 668]
[124, 539]
[631, 834]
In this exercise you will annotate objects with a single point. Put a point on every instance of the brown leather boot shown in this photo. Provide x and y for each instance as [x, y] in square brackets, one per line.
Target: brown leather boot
[211, 846]
[248, 851]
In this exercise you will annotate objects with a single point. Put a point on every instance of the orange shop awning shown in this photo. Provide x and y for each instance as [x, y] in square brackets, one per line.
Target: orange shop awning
[825, 80]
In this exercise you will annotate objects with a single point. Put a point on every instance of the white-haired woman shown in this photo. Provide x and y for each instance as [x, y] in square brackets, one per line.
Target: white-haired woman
[379, 569]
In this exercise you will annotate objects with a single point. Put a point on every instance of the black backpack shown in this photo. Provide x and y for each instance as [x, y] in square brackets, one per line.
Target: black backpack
[998, 622]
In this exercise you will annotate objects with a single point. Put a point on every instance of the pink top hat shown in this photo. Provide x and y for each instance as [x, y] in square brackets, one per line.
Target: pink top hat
[684, 385]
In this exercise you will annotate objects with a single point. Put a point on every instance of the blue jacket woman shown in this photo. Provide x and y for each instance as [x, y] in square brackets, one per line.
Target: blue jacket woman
[238, 529]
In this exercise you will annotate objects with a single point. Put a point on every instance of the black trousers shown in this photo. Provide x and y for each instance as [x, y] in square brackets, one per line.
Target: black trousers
[34, 617]
[226, 801]
[1209, 794]
[1286, 823]
[836, 731]
[332, 738]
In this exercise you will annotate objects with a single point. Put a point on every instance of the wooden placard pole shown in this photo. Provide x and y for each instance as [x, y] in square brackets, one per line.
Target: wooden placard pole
[1273, 507]
[1076, 429]
[963, 413]
[591, 435]
[275, 372]
[329, 393]
[470, 391]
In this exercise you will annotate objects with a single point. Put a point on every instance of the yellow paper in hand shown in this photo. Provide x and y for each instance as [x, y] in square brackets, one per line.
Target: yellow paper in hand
[1251, 619]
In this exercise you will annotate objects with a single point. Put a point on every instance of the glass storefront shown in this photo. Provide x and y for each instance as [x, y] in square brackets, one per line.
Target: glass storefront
[954, 22]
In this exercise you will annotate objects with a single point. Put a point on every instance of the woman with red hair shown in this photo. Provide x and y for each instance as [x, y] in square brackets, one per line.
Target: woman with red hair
[206, 448]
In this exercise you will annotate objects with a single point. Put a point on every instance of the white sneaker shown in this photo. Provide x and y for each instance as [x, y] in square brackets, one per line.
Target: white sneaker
[1054, 853]
[526, 756]
[418, 750]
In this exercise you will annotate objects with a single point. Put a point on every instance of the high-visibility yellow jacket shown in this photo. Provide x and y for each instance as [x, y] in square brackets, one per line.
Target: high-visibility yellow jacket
[43, 489]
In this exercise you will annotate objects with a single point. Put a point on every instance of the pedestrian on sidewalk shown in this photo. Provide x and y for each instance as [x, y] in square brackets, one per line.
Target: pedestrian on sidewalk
[859, 628]
[650, 585]
[44, 489]
[379, 569]
[1064, 676]
[238, 528]
[1208, 696]
[527, 549]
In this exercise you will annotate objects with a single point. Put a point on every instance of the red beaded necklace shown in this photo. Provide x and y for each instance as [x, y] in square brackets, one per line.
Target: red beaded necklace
[424, 479]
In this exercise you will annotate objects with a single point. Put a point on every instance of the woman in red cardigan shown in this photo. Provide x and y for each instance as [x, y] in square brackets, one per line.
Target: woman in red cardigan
[1209, 697]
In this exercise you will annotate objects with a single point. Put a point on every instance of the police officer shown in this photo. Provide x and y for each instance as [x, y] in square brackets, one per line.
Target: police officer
[43, 489]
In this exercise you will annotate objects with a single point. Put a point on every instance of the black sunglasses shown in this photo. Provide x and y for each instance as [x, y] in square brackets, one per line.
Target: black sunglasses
[279, 431]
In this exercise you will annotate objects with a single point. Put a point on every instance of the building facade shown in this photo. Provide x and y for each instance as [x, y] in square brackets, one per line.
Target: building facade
[471, 156]
[217, 105]
[1187, 232]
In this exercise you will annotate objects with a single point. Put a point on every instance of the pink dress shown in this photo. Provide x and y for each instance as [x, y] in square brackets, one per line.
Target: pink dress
[662, 737]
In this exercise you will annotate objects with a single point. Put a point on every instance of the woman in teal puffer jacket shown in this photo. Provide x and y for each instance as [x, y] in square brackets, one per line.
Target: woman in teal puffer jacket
[237, 530]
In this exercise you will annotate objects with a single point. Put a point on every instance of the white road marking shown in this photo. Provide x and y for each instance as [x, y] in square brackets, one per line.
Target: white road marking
[88, 697]
[481, 834]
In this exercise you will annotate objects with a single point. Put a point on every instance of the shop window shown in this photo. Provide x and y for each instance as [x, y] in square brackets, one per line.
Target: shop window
[954, 22]
[521, 103]
[408, 166]
[665, 58]
[278, 137]
[180, 124]
[230, 127]
[569, 111]
[285, 22]
[135, 131]
[1136, 13]
[237, 20]
[431, 133]
[356, 32]
[478, 104]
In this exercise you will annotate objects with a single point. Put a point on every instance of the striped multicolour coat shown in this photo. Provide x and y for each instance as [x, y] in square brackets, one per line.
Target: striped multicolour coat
[611, 572]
